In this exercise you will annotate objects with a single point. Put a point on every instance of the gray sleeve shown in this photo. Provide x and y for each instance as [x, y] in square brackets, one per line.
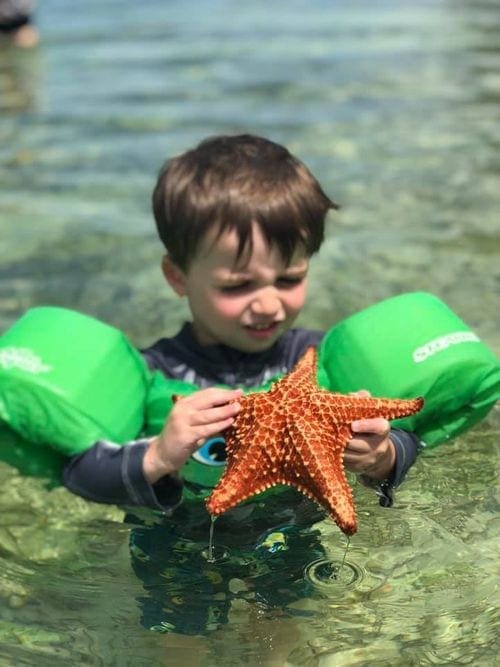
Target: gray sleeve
[407, 446]
[110, 473]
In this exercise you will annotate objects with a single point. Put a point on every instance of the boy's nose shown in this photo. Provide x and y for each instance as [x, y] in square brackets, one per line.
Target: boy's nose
[266, 303]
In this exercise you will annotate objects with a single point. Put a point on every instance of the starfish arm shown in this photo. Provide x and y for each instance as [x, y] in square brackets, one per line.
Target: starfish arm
[252, 451]
[345, 409]
[317, 470]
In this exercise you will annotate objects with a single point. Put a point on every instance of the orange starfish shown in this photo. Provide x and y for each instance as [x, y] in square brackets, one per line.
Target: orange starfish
[296, 434]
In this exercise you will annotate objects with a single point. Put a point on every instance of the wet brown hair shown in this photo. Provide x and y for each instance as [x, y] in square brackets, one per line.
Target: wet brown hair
[230, 182]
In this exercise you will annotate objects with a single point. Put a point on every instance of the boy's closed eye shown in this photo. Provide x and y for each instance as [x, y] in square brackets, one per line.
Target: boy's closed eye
[289, 281]
[285, 281]
[235, 288]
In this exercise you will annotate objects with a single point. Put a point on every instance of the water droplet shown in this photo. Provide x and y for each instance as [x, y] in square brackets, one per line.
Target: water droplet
[333, 574]
[215, 554]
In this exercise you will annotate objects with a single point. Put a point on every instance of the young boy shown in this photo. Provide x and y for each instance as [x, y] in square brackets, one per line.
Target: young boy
[240, 218]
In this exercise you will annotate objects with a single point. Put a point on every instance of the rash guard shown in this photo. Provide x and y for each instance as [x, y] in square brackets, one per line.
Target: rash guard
[111, 473]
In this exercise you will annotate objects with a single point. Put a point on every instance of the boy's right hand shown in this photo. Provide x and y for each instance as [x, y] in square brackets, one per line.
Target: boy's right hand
[192, 420]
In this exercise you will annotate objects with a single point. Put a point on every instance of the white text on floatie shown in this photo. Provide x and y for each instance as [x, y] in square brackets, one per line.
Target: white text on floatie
[22, 358]
[442, 343]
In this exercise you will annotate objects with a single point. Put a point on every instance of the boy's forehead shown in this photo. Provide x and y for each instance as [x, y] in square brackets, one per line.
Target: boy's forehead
[220, 249]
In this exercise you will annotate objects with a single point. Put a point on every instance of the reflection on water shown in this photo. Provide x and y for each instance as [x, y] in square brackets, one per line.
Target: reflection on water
[395, 106]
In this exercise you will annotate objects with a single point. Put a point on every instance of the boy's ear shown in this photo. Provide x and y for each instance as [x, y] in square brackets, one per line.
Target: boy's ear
[174, 276]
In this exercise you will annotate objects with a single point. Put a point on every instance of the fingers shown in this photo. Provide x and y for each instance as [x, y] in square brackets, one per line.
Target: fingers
[370, 451]
[192, 420]
[214, 407]
[376, 461]
[204, 431]
[361, 393]
[368, 435]
[206, 398]
[201, 415]
[376, 426]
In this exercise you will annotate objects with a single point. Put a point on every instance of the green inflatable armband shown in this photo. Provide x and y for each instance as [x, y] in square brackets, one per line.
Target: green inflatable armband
[67, 380]
[414, 345]
[30, 458]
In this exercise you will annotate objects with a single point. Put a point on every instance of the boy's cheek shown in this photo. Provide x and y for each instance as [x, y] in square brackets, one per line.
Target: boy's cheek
[297, 299]
[228, 309]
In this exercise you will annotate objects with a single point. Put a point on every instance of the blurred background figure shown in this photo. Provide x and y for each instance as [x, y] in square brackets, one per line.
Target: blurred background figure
[16, 23]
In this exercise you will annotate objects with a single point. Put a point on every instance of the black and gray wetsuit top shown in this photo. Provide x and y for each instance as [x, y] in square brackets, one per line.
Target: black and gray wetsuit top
[112, 473]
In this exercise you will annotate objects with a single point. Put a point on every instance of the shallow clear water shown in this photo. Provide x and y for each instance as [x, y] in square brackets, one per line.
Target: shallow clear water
[394, 105]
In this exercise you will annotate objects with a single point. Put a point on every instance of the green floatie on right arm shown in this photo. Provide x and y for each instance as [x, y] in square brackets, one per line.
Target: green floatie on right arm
[414, 345]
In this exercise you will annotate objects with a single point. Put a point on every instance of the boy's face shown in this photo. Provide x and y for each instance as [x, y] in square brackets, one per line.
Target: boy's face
[247, 305]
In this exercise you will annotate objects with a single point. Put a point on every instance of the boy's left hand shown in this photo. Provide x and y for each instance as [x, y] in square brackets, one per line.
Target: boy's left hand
[370, 452]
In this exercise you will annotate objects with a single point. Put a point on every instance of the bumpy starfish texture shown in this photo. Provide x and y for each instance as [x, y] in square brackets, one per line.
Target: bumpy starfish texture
[296, 434]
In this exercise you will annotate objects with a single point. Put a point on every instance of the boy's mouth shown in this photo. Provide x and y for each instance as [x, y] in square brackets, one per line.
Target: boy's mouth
[262, 326]
[262, 330]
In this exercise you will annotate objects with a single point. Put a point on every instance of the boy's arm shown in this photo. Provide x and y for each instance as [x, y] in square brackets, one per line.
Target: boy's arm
[144, 472]
[110, 473]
